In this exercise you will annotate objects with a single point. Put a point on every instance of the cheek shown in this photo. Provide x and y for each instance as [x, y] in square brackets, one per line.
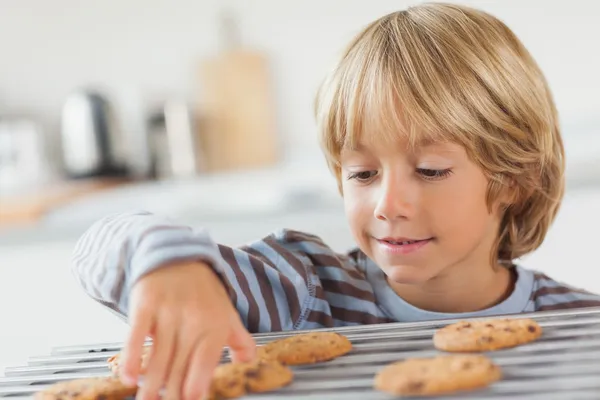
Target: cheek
[462, 215]
[351, 206]
[357, 209]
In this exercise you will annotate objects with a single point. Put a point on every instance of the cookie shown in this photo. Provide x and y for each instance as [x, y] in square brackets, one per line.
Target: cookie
[114, 362]
[486, 335]
[238, 379]
[103, 388]
[307, 348]
[437, 375]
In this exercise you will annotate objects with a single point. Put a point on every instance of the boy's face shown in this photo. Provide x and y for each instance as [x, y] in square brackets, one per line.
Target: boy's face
[418, 214]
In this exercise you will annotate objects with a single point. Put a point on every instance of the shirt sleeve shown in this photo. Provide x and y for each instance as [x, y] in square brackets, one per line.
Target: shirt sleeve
[549, 294]
[272, 286]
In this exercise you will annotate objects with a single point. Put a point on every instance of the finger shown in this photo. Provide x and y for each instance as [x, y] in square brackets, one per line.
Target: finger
[160, 359]
[202, 363]
[181, 356]
[132, 353]
[242, 346]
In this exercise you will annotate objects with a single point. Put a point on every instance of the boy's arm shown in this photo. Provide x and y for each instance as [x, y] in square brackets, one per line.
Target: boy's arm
[270, 287]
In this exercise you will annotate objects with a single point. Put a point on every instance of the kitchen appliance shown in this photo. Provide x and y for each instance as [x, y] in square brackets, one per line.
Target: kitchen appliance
[175, 151]
[24, 163]
[92, 145]
[562, 364]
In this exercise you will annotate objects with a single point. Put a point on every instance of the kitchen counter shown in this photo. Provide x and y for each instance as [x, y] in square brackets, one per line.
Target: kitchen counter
[244, 197]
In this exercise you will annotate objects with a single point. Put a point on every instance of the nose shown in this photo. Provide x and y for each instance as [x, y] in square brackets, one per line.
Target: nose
[395, 199]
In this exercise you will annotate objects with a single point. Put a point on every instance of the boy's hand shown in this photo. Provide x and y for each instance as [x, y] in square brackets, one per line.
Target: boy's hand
[190, 317]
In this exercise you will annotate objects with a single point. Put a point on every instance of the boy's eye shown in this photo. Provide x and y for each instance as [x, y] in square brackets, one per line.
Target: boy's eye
[362, 176]
[433, 174]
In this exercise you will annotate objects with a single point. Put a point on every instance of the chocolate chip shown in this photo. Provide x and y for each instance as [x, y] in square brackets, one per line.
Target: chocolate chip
[486, 339]
[415, 386]
[508, 330]
[467, 365]
[531, 328]
[252, 373]
[489, 325]
[101, 397]
[466, 326]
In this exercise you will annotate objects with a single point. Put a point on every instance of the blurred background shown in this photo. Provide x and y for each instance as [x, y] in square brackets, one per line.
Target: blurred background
[201, 110]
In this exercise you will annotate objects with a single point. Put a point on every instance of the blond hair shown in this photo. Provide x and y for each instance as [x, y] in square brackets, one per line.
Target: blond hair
[448, 72]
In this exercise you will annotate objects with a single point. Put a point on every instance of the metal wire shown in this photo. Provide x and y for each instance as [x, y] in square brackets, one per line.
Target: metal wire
[563, 364]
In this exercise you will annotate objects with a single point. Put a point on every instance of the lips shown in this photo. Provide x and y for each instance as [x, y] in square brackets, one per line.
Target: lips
[402, 245]
[401, 240]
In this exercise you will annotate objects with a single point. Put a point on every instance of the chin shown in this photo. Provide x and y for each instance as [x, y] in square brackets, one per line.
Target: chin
[406, 274]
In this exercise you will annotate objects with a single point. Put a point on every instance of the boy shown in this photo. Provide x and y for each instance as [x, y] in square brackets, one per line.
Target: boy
[444, 139]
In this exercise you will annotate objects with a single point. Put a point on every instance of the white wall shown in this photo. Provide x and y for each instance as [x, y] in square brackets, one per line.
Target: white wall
[151, 47]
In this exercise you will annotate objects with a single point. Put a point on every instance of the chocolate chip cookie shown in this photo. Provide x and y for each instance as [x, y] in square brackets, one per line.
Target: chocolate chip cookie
[437, 375]
[233, 380]
[103, 388]
[307, 348]
[486, 335]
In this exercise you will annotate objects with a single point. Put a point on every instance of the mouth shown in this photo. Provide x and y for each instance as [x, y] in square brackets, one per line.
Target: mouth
[402, 245]
[401, 241]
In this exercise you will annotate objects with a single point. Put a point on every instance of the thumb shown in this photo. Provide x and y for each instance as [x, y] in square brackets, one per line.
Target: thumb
[242, 347]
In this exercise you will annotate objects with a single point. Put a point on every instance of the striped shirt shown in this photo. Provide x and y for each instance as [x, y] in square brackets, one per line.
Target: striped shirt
[287, 280]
